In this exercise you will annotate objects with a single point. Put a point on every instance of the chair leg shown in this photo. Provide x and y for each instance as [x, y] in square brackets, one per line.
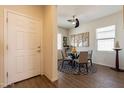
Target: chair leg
[62, 65]
[79, 70]
[87, 67]
[91, 62]
[73, 64]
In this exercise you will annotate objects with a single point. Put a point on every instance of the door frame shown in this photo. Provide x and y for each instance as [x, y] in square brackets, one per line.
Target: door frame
[5, 42]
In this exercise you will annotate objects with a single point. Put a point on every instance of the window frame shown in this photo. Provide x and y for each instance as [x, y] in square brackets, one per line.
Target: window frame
[105, 39]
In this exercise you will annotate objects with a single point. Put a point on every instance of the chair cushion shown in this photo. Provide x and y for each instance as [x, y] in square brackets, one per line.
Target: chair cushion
[68, 58]
[76, 60]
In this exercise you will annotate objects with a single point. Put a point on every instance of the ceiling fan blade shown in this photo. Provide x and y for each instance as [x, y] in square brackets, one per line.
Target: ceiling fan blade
[70, 20]
[77, 23]
[74, 21]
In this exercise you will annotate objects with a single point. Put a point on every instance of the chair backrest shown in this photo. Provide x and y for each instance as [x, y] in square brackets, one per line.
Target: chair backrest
[83, 57]
[90, 52]
[63, 54]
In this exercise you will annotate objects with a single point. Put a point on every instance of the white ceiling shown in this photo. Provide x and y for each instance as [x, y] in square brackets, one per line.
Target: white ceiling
[84, 13]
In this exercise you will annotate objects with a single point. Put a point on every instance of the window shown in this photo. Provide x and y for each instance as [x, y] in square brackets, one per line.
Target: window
[59, 41]
[105, 38]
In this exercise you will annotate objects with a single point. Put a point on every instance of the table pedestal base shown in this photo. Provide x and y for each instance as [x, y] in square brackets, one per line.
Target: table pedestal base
[118, 70]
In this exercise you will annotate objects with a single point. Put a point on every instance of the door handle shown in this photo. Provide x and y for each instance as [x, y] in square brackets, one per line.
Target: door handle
[38, 50]
[38, 46]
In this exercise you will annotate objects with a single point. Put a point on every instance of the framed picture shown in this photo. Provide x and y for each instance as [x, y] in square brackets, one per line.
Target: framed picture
[85, 39]
[80, 40]
[65, 41]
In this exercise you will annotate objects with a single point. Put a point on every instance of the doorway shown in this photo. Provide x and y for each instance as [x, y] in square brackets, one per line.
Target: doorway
[22, 47]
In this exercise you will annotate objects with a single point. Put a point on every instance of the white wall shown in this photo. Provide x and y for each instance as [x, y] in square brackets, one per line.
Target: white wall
[104, 58]
[63, 32]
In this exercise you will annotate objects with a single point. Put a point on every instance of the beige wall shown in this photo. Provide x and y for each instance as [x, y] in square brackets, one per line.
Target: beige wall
[104, 58]
[47, 16]
[33, 11]
[50, 42]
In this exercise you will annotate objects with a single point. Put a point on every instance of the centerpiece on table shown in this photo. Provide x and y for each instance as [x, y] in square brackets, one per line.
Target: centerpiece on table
[74, 50]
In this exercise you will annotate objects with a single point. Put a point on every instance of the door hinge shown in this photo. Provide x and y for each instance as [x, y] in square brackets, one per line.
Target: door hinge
[7, 74]
[7, 19]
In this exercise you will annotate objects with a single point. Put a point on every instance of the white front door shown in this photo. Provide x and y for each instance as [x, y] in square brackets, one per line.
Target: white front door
[23, 47]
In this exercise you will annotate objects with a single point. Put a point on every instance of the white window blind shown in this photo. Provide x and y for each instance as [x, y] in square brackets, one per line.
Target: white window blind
[105, 38]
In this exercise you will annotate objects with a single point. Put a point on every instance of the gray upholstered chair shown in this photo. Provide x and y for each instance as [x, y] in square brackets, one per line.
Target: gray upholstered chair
[65, 59]
[82, 60]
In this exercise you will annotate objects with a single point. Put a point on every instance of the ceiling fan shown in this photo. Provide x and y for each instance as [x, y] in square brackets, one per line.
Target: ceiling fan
[74, 21]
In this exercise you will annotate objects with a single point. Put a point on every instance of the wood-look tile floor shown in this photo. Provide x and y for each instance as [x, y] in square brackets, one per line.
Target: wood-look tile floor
[103, 78]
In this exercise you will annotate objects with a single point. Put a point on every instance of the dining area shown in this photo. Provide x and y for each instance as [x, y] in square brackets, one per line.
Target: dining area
[76, 62]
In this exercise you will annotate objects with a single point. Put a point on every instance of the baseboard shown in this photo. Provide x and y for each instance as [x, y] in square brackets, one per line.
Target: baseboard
[2, 85]
[54, 79]
[51, 79]
[103, 64]
[42, 74]
[107, 65]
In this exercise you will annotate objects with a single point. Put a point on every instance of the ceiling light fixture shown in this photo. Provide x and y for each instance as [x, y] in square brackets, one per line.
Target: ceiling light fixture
[74, 21]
